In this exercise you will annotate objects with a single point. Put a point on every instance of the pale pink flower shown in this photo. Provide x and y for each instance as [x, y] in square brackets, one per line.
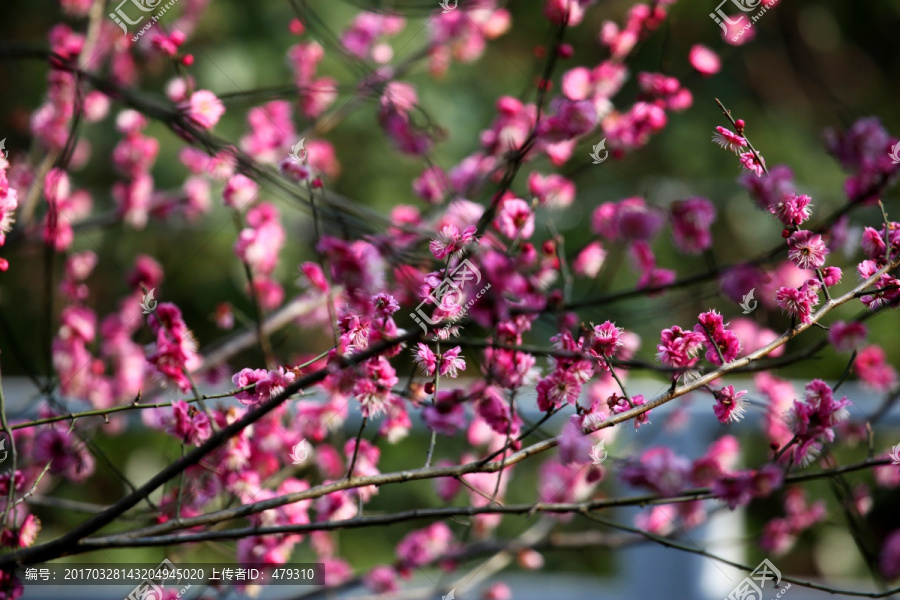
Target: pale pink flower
[590, 260]
[703, 59]
[553, 191]
[426, 359]
[205, 108]
[452, 363]
[239, 191]
[515, 219]
[872, 367]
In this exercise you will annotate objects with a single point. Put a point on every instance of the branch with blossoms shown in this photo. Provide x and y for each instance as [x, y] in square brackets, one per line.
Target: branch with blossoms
[483, 245]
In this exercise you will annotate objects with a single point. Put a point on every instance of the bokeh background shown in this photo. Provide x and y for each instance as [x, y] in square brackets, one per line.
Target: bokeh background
[812, 65]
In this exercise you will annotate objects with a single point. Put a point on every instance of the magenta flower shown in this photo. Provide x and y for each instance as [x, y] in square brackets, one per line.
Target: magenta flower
[729, 140]
[846, 337]
[574, 445]
[450, 241]
[446, 417]
[422, 546]
[563, 483]
[374, 390]
[146, 272]
[799, 302]
[426, 359]
[605, 340]
[64, 452]
[572, 118]
[619, 404]
[659, 469]
[494, 409]
[561, 387]
[385, 305]
[770, 189]
[636, 221]
[175, 350]
[515, 219]
[792, 209]
[778, 536]
[889, 561]
[432, 185]
[729, 405]
[259, 244]
[706, 61]
[753, 164]
[807, 250]
[691, 220]
[735, 489]
[812, 420]
[188, 424]
[873, 369]
[382, 580]
[570, 12]
[873, 244]
[245, 378]
[712, 327]
[554, 191]
[832, 275]
[679, 348]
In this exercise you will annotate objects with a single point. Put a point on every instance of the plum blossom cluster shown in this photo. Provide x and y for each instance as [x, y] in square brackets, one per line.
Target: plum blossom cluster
[737, 143]
[864, 151]
[813, 419]
[353, 291]
[680, 348]
[9, 201]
